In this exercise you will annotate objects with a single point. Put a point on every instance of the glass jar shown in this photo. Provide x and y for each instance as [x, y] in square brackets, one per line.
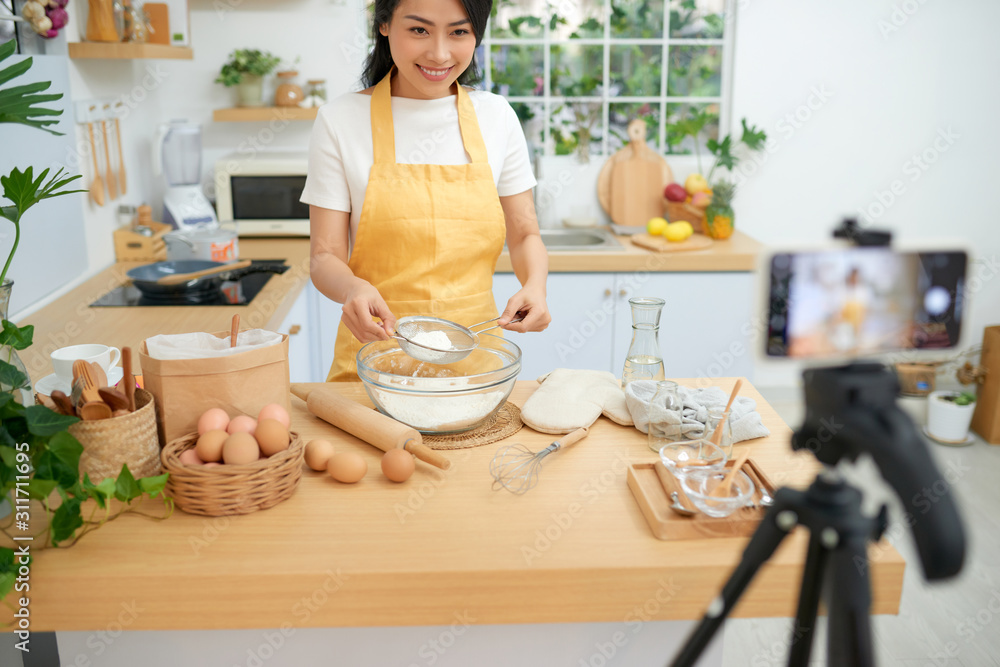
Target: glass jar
[643, 360]
[288, 93]
[317, 91]
[716, 415]
[666, 418]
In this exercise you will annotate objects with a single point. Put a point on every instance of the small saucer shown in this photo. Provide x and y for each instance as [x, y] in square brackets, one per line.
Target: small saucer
[951, 443]
[52, 382]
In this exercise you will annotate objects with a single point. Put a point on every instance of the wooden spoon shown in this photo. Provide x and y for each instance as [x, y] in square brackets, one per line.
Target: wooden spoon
[112, 185]
[96, 186]
[63, 403]
[114, 398]
[717, 436]
[100, 377]
[121, 161]
[128, 381]
[94, 410]
[235, 331]
[180, 278]
[723, 489]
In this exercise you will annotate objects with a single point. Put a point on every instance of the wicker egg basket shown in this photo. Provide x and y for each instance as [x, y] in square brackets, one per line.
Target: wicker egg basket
[231, 489]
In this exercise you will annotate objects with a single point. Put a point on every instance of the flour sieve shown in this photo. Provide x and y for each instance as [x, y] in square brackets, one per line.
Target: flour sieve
[461, 340]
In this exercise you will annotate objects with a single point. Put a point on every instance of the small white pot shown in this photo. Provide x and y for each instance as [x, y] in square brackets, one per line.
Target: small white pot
[946, 421]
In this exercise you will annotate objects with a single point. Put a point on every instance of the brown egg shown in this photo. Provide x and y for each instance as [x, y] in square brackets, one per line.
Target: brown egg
[318, 453]
[347, 467]
[272, 436]
[209, 447]
[212, 464]
[275, 411]
[242, 423]
[240, 448]
[189, 458]
[214, 419]
[398, 465]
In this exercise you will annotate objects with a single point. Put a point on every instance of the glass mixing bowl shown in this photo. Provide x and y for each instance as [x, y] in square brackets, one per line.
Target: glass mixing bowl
[440, 398]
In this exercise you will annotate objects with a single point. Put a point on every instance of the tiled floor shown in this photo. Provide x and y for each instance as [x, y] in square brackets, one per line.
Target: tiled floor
[950, 624]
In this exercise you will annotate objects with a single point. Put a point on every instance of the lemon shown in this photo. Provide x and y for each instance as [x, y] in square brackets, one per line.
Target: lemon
[656, 226]
[678, 231]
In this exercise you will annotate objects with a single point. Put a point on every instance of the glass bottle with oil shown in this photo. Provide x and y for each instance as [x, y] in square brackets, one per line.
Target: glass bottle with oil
[644, 361]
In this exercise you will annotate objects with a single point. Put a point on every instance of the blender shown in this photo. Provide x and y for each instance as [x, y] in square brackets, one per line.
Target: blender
[177, 155]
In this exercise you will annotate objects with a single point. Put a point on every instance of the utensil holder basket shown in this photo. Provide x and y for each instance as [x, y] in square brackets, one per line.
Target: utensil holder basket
[231, 489]
[130, 439]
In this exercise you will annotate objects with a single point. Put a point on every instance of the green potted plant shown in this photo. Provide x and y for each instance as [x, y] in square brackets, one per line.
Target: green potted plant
[246, 69]
[949, 414]
[39, 458]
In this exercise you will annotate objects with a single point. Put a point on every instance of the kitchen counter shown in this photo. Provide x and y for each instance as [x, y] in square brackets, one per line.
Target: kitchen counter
[737, 253]
[69, 320]
[573, 549]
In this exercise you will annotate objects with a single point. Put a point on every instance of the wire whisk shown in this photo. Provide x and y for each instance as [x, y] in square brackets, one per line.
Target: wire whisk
[515, 467]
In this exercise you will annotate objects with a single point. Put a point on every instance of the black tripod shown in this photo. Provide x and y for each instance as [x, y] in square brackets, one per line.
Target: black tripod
[850, 410]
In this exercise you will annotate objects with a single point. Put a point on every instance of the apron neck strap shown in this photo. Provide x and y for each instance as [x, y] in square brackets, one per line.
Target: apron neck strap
[383, 135]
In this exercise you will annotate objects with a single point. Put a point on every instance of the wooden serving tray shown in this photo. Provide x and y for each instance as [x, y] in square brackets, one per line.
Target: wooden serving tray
[651, 484]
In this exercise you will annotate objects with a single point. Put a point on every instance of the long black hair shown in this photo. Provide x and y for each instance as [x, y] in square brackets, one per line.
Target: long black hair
[379, 61]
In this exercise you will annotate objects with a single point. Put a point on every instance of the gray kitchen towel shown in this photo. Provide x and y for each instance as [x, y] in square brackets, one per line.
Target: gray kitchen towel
[690, 421]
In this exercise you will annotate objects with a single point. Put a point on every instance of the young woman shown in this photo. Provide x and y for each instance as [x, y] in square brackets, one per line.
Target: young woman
[415, 182]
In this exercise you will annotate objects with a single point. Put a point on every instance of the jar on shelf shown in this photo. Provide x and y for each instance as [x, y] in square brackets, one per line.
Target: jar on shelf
[317, 90]
[288, 93]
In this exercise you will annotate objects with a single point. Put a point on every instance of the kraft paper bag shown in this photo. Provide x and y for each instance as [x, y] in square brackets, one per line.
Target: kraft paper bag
[239, 383]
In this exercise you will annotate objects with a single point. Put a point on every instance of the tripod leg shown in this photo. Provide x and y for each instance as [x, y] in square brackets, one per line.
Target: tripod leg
[850, 641]
[772, 530]
[805, 617]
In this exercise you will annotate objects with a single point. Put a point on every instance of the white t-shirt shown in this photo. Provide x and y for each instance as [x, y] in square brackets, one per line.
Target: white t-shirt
[426, 132]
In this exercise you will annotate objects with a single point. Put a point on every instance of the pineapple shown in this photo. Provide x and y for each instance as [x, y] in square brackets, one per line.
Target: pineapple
[719, 214]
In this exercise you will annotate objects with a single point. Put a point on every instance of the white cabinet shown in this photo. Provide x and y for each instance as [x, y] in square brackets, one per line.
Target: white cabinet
[303, 325]
[704, 329]
[581, 332]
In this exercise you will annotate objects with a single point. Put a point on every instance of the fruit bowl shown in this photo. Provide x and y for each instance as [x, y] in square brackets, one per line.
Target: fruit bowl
[440, 398]
[675, 211]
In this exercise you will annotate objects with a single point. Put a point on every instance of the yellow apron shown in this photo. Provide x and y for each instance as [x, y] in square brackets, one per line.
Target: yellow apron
[429, 235]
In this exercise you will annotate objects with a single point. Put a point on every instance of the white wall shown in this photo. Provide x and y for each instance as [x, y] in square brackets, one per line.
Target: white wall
[883, 86]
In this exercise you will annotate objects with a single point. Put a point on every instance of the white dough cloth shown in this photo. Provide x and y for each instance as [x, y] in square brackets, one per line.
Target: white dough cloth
[690, 421]
[203, 345]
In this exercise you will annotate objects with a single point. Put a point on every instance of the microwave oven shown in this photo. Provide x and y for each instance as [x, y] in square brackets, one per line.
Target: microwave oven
[260, 191]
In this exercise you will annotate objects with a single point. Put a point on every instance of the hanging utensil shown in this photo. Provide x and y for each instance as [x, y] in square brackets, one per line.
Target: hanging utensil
[111, 183]
[418, 337]
[121, 161]
[96, 186]
[515, 467]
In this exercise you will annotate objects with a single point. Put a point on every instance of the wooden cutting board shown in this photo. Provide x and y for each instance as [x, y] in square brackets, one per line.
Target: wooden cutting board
[660, 244]
[630, 185]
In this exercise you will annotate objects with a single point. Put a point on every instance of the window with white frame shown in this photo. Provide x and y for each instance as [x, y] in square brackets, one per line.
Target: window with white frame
[577, 71]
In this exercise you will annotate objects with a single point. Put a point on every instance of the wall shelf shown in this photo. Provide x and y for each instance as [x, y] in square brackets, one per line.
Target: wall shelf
[128, 50]
[252, 114]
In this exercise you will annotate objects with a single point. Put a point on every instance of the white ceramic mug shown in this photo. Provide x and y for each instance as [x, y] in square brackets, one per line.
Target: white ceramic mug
[103, 355]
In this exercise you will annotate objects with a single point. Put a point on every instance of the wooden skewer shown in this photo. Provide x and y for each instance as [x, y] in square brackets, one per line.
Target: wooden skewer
[717, 436]
[235, 331]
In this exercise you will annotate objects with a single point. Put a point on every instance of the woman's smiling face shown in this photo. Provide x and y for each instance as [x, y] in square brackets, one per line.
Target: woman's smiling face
[432, 43]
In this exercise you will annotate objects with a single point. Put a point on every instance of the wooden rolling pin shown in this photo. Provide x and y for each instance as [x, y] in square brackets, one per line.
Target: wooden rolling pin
[370, 425]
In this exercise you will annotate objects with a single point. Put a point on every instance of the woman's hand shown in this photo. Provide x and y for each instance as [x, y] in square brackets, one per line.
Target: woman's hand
[362, 303]
[531, 303]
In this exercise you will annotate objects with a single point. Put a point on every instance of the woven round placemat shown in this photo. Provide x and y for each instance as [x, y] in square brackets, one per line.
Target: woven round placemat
[506, 421]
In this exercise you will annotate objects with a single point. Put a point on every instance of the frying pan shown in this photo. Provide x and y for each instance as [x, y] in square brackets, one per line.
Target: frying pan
[145, 277]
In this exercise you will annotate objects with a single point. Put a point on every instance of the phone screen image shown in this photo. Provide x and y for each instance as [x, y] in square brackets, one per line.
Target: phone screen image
[863, 301]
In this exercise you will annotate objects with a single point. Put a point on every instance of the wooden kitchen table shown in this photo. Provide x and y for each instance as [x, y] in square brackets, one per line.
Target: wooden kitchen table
[575, 549]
